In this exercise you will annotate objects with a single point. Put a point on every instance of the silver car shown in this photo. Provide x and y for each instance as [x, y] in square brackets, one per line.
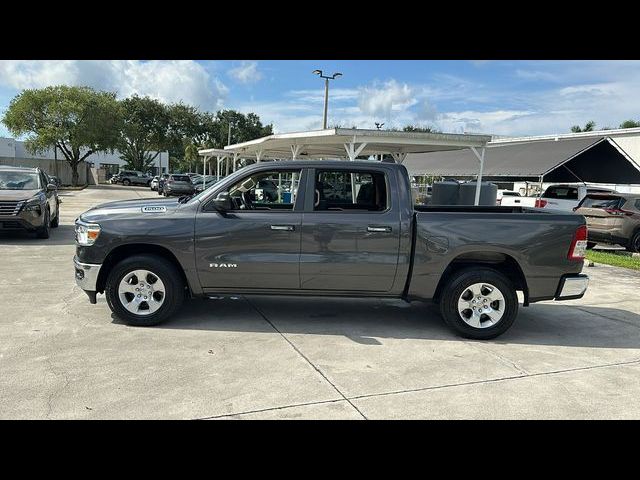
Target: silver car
[178, 185]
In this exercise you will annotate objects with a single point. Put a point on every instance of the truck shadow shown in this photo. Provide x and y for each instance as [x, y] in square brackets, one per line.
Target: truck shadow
[63, 235]
[370, 321]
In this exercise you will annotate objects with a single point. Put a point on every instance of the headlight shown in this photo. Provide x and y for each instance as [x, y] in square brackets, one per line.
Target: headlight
[32, 205]
[87, 233]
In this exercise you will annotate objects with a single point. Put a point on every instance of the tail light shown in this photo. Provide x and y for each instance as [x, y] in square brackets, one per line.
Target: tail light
[578, 244]
[540, 203]
[617, 211]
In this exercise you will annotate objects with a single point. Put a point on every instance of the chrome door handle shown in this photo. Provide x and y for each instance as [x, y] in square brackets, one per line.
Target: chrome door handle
[286, 228]
[373, 228]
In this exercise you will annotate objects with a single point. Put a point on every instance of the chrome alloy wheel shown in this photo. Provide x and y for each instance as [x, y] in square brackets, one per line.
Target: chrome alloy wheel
[141, 292]
[481, 305]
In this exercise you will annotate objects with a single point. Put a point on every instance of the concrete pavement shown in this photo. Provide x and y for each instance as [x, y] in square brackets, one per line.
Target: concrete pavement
[276, 357]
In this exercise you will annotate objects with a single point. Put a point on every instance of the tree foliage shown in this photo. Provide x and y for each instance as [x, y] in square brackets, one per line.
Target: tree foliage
[145, 131]
[630, 124]
[588, 127]
[78, 121]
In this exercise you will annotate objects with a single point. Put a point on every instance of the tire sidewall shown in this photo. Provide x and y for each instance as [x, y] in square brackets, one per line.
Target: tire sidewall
[458, 284]
[166, 272]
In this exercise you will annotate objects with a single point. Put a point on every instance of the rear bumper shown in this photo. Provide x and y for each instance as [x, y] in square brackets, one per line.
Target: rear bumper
[607, 236]
[572, 287]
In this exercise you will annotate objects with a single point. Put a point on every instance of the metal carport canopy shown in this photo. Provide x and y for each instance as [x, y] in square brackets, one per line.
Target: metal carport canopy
[595, 159]
[352, 142]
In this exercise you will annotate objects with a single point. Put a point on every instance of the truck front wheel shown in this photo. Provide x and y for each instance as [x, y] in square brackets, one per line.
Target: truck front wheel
[144, 290]
[479, 303]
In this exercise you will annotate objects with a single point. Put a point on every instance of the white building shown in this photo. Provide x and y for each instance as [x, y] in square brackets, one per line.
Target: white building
[11, 149]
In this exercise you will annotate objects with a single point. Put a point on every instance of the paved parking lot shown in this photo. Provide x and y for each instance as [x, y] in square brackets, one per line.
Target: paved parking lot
[275, 357]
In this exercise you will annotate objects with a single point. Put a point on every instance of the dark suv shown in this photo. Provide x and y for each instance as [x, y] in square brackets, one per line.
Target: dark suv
[612, 218]
[28, 200]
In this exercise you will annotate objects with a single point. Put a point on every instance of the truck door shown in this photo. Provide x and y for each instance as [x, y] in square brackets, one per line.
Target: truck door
[350, 231]
[256, 245]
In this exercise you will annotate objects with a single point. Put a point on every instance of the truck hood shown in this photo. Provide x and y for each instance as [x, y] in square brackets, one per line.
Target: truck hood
[140, 208]
[17, 195]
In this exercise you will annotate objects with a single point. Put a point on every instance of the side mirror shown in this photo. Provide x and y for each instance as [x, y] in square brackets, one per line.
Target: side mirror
[52, 187]
[223, 202]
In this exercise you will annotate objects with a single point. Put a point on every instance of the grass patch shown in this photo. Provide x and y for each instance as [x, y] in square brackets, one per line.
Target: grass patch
[617, 260]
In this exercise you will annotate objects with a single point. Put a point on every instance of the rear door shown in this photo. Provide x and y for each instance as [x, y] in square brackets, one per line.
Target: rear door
[350, 231]
[257, 244]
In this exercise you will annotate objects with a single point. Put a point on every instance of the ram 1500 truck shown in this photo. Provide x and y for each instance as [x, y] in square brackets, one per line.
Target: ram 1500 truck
[330, 228]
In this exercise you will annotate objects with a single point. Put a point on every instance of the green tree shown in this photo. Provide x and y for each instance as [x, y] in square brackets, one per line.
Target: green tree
[243, 127]
[630, 124]
[145, 131]
[78, 121]
[590, 126]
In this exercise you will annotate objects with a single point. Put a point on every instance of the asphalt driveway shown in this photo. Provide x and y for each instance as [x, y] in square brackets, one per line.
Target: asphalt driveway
[276, 357]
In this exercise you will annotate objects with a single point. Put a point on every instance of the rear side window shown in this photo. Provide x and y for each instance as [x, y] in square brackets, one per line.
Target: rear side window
[342, 190]
[561, 193]
[601, 202]
[180, 178]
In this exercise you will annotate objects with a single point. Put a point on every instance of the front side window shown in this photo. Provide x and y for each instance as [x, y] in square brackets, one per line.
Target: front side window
[272, 190]
[349, 190]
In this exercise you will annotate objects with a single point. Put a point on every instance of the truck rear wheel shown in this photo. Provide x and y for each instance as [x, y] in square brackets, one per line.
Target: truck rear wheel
[144, 290]
[479, 303]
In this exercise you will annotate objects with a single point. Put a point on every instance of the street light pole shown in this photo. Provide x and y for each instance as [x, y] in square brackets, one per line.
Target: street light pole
[326, 93]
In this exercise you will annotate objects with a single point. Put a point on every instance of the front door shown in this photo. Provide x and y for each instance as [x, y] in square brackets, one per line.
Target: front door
[256, 245]
[351, 234]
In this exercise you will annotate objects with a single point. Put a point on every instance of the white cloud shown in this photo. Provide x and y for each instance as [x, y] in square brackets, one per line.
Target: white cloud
[169, 81]
[383, 99]
[246, 72]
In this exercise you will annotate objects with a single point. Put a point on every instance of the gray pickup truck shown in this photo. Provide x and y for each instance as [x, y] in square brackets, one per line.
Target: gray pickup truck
[330, 228]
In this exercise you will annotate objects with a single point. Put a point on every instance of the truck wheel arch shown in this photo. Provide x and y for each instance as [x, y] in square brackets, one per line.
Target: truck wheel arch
[123, 251]
[499, 261]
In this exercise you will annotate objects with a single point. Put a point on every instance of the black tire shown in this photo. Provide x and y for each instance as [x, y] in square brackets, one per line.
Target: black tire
[56, 221]
[160, 192]
[634, 243]
[455, 288]
[126, 182]
[590, 245]
[165, 271]
[43, 232]
[149, 183]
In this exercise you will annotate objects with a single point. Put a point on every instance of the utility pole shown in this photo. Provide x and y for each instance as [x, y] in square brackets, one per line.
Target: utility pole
[326, 93]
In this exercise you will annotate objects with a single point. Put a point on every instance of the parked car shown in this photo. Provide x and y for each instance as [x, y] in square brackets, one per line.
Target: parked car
[161, 180]
[178, 185]
[209, 180]
[563, 197]
[154, 183]
[505, 193]
[28, 201]
[135, 178]
[147, 256]
[612, 219]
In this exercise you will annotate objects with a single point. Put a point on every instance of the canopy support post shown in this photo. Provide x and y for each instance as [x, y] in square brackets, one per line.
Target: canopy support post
[480, 157]
[353, 151]
[258, 155]
[398, 157]
[204, 164]
[295, 151]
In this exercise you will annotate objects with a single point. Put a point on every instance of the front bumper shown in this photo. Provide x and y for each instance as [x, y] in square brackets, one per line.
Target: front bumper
[572, 287]
[87, 277]
[22, 221]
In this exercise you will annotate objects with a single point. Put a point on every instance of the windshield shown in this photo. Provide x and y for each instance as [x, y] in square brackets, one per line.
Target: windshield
[19, 181]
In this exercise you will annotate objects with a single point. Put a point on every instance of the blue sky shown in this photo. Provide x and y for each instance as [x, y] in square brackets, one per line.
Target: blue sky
[494, 97]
